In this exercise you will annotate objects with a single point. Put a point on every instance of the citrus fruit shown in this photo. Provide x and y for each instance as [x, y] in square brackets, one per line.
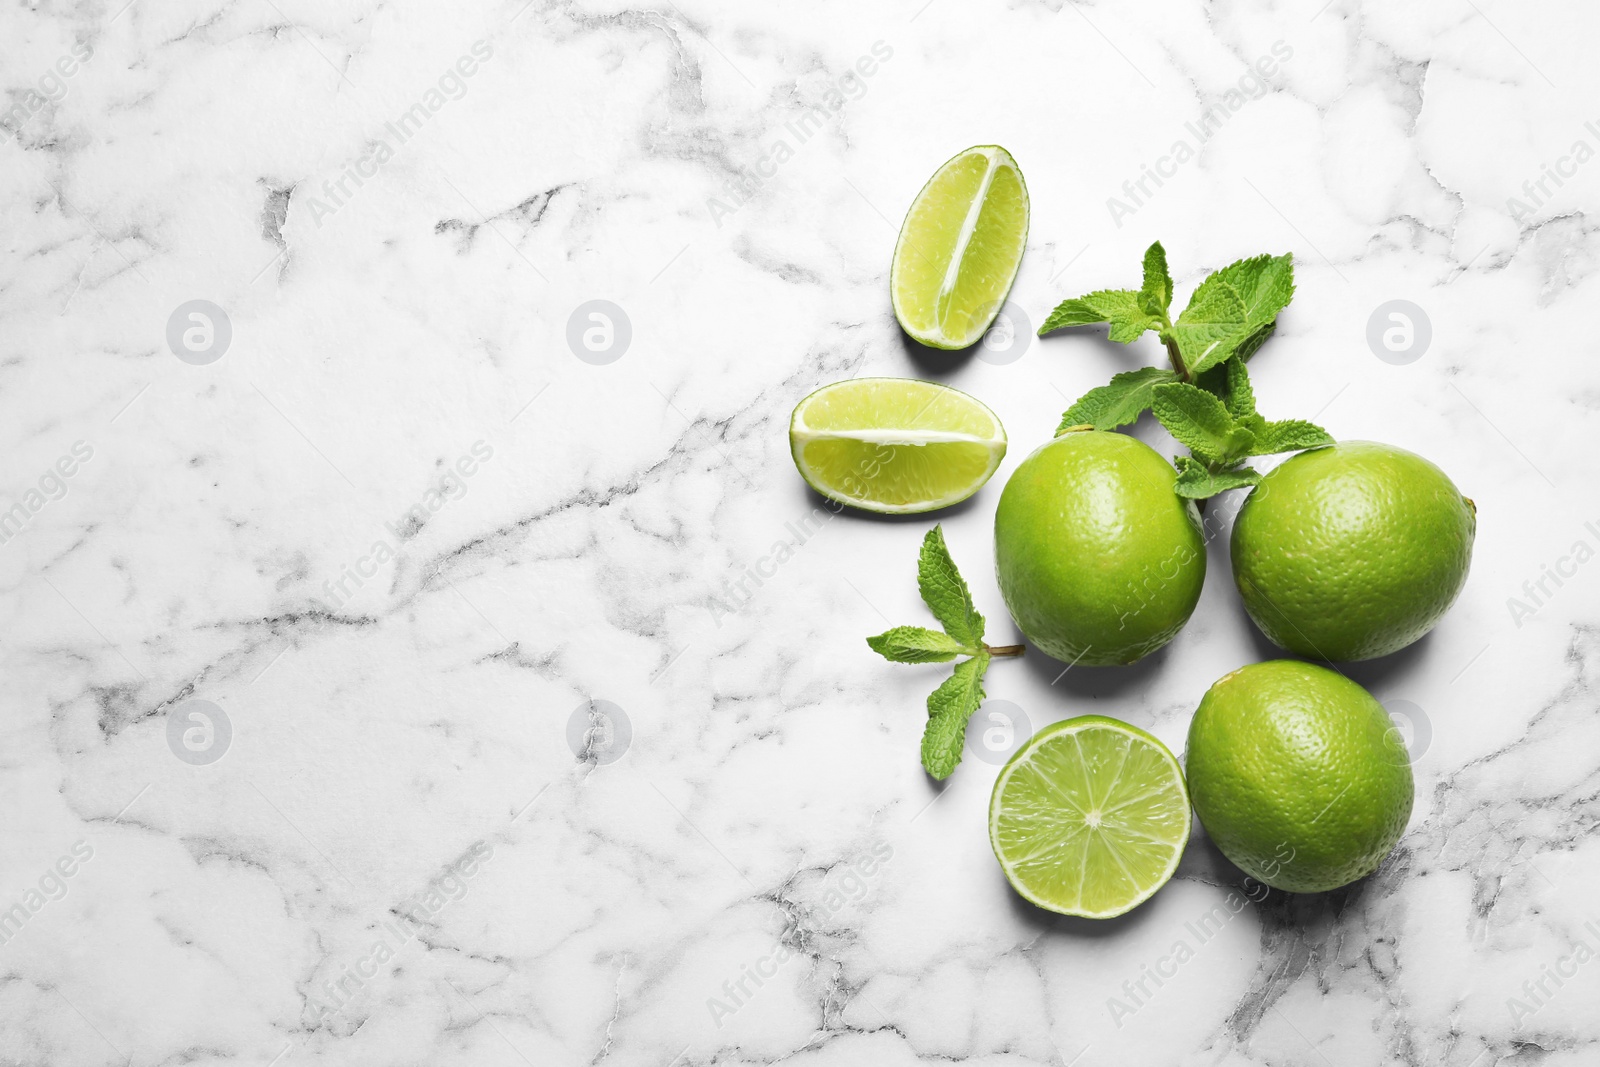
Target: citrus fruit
[1351, 551]
[959, 248]
[1099, 560]
[1089, 817]
[1298, 775]
[895, 445]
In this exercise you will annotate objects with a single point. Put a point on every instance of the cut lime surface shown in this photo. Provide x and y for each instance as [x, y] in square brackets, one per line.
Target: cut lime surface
[959, 248]
[895, 445]
[1089, 817]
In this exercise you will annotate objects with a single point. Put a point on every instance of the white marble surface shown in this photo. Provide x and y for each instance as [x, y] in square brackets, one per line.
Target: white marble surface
[405, 738]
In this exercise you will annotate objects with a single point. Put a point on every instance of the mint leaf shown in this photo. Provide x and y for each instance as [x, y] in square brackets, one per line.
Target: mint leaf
[1215, 382]
[1241, 398]
[1231, 383]
[1290, 435]
[1208, 329]
[1265, 284]
[1108, 406]
[915, 644]
[1197, 483]
[1234, 310]
[949, 708]
[1198, 420]
[946, 593]
[1156, 295]
[1248, 346]
[1119, 307]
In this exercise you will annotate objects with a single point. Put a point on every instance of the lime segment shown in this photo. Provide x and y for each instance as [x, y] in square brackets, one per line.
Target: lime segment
[1090, 817]
[895, 445]
[959, 248]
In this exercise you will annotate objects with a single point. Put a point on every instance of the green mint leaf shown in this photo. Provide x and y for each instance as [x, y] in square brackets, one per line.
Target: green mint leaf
[1215, 382]
[1241, 398]
[1231, 383]
[1264, 283]
[1208, 329]
[1108, 406]
[949, 708]
[915, 644]
[1234, 310]
[1119, 307]
[946, 593]
[1156, 295]
[1197, 483]
[1290, 435]
[1247, 347]
[1199, 421]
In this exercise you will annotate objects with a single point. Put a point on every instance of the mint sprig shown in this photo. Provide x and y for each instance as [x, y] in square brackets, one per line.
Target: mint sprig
[1205, 400]
[1231, 313]
[958, 696]
[1222, 432]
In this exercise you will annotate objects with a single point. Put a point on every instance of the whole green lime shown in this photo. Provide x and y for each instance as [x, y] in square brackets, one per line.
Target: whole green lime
[1099, 560]
[1298, 775]
[1352, 551]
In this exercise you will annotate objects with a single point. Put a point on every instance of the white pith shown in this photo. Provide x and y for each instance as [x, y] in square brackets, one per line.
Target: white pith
[969, 225]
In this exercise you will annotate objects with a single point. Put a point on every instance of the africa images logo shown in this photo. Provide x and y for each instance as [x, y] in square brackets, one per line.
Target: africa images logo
[1251, 85]
[1551, 578]
[746, 182]
[451, 85]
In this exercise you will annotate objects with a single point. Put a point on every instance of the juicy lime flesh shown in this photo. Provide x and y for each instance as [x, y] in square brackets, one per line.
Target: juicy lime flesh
[897, 404]
[959, 248]
[1090, 817]
[1352, 551]
[1099, 561]
[903, 476]
[895, 445]
[1298, 775]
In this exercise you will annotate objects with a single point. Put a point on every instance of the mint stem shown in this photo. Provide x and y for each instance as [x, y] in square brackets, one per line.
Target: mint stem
[1004, 650]
[1175, 355]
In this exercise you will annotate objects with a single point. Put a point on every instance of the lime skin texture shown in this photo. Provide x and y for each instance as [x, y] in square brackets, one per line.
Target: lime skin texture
[1099, 561]
[1352, 551]
[1298, 775]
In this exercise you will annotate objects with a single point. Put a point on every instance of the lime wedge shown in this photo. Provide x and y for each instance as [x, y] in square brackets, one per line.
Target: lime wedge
[1089, 817]
[959, 248]
[895, 445]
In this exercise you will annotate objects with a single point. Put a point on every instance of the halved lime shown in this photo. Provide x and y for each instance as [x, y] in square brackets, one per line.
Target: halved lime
[959, 248]
[1089, 817]
[895, 445]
